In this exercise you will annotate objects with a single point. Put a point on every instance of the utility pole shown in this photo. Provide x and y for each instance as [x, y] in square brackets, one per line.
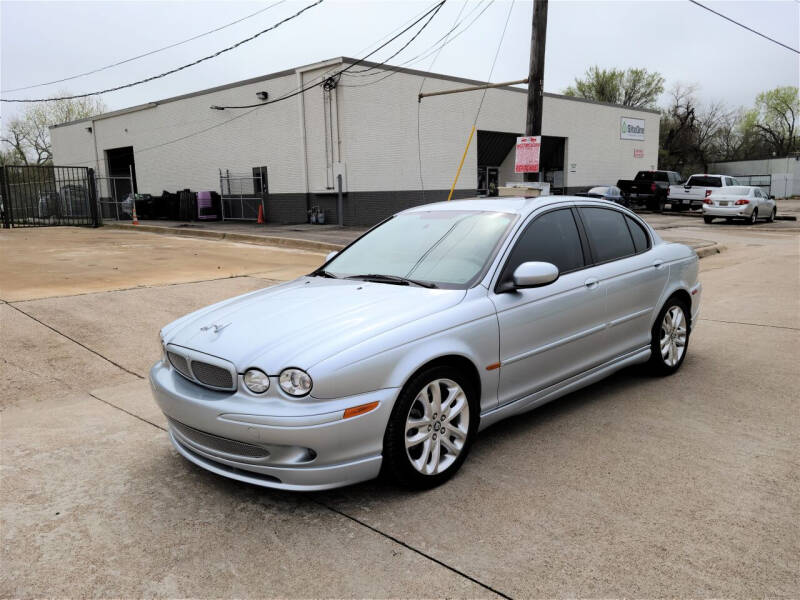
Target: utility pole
[533, 122]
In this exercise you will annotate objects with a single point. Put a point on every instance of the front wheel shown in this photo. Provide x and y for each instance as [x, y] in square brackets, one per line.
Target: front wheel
[670, 337]
[708, 220]
[772, 215]
[431, 428]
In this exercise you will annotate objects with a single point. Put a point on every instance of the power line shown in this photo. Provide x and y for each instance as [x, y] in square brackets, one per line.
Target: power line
[743, 26]
[181, 68]
[255, 107]
[150, 53]
[494, 62]
[424, 54]
[336, 75]
[419, 104]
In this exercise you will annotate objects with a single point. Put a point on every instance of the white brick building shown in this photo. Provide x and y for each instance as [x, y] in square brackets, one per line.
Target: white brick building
[366, 129]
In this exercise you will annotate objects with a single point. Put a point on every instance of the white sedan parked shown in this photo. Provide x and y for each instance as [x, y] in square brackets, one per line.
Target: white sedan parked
[739, 202]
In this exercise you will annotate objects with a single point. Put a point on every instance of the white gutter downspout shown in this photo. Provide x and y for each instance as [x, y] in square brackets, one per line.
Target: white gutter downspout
[96, 155]
[302, 108]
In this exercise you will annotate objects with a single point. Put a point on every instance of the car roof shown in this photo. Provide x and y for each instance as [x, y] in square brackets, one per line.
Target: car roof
[514, 205]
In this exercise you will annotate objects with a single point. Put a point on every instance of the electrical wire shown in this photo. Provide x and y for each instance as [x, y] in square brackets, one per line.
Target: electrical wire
[304, 89]
[150, 53]
[420, 57]
[404, 46]
[419, 104]
[743, 26]
[255, 107]
[494, 62]
[172, 71]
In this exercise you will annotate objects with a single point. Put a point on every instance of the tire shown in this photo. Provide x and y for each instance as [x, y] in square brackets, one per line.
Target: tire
[708, 220]
[772, 215]
[667, 353]
[754, 217]
[414, 466]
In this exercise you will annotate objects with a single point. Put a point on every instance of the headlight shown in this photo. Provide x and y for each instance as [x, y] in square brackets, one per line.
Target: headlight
[256, 381]
[295, 382]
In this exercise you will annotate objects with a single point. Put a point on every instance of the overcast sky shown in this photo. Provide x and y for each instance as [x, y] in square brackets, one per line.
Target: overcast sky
[42, 41]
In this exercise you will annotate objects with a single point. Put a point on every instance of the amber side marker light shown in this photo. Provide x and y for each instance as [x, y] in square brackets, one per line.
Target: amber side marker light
[360, 410]
[493, 366]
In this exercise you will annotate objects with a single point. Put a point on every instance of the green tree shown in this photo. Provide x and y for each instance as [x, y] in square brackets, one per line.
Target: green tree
[774, 120]
[27, 137]
[638, 88]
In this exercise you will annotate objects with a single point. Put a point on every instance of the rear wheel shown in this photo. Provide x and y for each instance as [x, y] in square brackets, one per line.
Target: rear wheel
[754, 217]
[431, 428]
[670, 337]
[708, 219]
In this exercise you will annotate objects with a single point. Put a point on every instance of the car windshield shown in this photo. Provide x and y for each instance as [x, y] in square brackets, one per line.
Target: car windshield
[447, 248]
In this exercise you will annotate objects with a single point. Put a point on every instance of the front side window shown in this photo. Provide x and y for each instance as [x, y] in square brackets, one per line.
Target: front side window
[553, 238]
[608, 234]
[447, 248]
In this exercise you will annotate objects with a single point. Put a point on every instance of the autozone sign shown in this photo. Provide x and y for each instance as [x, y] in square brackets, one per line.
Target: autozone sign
[527, 160]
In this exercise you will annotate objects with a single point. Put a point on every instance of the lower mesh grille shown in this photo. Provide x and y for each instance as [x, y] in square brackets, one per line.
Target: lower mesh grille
[213, 442]
[212, 375]
[179, 363]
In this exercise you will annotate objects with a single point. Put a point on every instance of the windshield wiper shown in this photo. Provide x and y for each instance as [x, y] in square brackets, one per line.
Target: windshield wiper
[395, 279]
[323, 273]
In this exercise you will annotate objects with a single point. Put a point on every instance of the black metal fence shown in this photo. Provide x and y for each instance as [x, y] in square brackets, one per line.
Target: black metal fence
[44, 196]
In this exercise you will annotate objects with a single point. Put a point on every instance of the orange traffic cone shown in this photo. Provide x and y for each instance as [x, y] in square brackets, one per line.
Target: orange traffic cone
[135, 218]
[260, 214]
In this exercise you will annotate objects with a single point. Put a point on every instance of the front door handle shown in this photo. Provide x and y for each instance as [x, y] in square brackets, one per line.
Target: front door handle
[591, 283]
[657, 264]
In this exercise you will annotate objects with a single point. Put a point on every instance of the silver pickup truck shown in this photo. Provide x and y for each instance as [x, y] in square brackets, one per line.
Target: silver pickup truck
[691, 193]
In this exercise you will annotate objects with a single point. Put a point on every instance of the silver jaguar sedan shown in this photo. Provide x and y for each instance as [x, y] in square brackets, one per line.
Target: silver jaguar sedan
[435, 324]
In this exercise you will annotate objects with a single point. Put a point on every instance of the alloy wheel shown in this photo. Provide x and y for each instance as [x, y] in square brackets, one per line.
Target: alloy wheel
[437, 426]
[754, 217]
[673, 336]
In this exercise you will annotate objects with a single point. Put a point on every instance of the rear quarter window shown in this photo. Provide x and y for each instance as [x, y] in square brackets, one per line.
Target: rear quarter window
[641, 240]
[704, 181]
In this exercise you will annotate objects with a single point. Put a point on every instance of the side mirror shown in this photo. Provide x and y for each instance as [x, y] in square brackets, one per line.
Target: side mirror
[330, 256]
[534, 274]
[772, 197]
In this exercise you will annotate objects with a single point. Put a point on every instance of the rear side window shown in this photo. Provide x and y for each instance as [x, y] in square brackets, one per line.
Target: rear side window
[640, 238]
[608, 234]
[552, 238]
[703, 181]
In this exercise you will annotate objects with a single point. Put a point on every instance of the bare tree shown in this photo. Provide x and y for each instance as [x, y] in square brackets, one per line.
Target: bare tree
[27, 137]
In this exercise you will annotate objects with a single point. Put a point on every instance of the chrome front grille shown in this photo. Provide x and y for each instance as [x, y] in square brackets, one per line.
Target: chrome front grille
[206, 441]
[203, 369]
[180, 364]
[212, 375]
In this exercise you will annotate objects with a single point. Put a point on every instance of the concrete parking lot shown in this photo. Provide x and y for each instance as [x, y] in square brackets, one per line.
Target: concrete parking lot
[686, 486]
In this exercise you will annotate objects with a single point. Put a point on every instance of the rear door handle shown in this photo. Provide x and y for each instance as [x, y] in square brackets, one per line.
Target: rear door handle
[591, 283]
[657, 264]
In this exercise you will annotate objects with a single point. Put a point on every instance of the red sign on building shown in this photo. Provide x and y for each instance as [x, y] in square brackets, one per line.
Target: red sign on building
[528, 154]
[638, 153]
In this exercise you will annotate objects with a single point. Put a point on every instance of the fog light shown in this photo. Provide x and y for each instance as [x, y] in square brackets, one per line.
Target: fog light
[295, 382]
[256, 381]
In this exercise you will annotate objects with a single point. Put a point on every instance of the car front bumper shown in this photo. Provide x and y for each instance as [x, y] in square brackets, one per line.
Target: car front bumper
[730, 212]
[303, 444]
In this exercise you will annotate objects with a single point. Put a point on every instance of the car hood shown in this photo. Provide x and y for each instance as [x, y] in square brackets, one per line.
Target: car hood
[300, 323]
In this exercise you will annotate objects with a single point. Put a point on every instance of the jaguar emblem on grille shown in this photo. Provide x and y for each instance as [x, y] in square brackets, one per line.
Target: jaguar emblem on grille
[215, 327]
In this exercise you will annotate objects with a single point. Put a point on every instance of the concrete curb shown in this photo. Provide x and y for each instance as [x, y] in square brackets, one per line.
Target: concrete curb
[704, 251]
[262, 240]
